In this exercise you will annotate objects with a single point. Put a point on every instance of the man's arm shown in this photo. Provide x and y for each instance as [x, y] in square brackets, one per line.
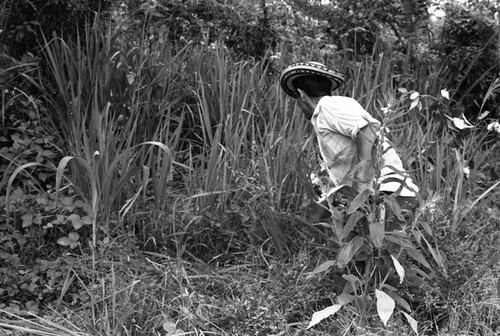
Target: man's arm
[365, 140]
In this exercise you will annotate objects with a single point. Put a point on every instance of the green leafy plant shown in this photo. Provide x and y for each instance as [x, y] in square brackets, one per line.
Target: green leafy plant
[382, 269]
[379, 258]
[75, 192]
[34, 232]
[101, 111]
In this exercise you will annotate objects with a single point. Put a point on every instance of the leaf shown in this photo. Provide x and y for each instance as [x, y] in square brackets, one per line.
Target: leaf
[129, 203]
[414, 95]
[399, 238]
[323, 314]
[359, 200]
[351, 223]
[385, 306]
[426, 227]
[67, 201]
[438, 258]
[27, 220]
[498, 286]
[460, 123]
[77, 223]
[394, 206]
[169, 327]
[412, 321]
[494, 126]
[491, 90]
[337, 221]
[21, 239]
[445, 94]
[38, 219]
[65, 241]
[11, 180]
[377, 233]
[354, 282]
[60, 171]
[399, 269]
[130, 78]
[349, 251]
[73, 217]
[74, 236]
[321, 268]
[483, 115]
[418, 256]
[400, 301]
[414, 103]
[59, 219]
[345, 298]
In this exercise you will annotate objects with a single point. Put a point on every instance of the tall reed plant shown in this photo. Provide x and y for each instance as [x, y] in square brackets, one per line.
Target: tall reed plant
[248, 129]
[113, 106]
[127, 115]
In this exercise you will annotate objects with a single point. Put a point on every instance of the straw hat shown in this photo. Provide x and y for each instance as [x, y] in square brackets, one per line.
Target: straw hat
[308, 68]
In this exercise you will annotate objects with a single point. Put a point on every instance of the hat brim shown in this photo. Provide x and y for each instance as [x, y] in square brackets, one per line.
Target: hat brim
[304, 69]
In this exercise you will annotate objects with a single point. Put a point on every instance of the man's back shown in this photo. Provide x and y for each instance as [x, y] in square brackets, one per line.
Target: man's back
[337, 122]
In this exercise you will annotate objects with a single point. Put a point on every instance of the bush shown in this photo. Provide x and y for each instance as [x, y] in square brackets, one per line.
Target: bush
[25, 22]
[468, 50]
[244, 27]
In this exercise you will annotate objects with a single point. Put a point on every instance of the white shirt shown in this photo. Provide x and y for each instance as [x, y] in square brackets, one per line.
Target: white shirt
[337, 121]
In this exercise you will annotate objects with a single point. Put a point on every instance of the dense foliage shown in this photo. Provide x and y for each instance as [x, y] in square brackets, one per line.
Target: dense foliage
[24, 22]
[470, 42]
[157, 180]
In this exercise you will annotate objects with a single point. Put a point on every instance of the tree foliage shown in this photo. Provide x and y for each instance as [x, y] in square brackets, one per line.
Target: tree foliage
[243, 26]
[24, 21]
[469, 49]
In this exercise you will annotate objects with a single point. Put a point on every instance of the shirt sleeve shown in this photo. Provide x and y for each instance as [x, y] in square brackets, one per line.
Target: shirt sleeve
[342, 115]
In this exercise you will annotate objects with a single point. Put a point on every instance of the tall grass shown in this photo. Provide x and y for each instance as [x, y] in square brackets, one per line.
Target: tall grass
[128, 113]
[250, 140]
[106, 108]
[260, 134]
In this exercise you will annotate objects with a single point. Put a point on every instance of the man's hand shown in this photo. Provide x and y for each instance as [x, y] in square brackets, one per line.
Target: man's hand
[366, 172]
[306, 104]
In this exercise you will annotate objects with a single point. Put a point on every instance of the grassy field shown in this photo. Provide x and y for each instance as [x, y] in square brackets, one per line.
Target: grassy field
[158, 190]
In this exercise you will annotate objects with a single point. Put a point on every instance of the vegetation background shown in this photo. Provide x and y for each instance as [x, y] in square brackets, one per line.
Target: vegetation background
[156, 180]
